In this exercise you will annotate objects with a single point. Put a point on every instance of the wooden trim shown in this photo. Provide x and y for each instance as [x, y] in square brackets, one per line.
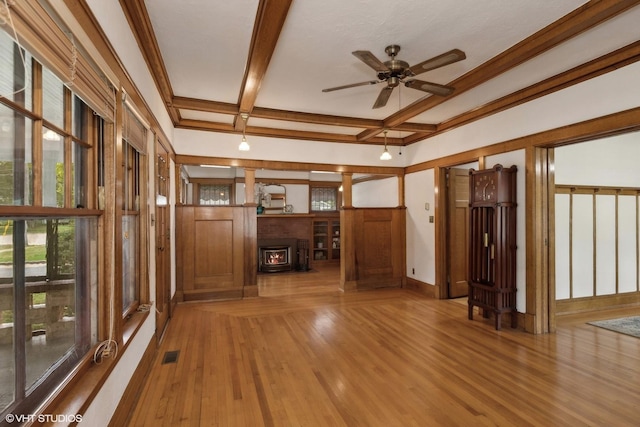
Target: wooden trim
[270, 19]
[583, 18]
[295, 116]
[283, 133]
[82, 385]
[607, 63]
[39, 211]
[140, 23]
[601, 127]
[579, 305]
[423, 288]
[440, 231]
[538, 287]
[371, 178]
[288, 166]
[85, 18]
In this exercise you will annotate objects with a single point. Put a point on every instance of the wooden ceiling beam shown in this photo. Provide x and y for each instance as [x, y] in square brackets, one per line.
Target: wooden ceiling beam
[288, 166]
[294, 116]
[270, 19]
[181, 102]
[283, 133]
[320, 119]
[591, 14]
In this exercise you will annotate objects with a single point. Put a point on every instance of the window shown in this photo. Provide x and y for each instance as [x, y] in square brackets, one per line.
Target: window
[48, 262]
[215, 194]
[324, 199]
[134, 135]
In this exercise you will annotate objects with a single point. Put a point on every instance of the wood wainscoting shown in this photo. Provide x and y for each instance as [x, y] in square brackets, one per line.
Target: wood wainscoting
[373, 248]
[216, 252]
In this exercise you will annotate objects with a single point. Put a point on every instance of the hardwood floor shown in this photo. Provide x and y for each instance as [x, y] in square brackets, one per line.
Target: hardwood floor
[382, 358]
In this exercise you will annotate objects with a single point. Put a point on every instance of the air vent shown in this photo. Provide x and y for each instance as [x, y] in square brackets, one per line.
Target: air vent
[170, 357]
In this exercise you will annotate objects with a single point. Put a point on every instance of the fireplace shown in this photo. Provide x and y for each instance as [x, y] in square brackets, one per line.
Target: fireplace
[274, 258]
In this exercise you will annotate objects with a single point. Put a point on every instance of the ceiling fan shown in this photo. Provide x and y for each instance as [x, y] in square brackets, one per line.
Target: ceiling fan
[396, 71]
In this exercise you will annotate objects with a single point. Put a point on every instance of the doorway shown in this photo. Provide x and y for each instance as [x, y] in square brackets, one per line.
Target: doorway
[457, 232]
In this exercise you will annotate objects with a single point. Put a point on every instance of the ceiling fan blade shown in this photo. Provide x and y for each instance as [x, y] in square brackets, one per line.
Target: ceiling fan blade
[446, 58]
[433, 88]
[371, 60]
[382, 99]
[370, 82]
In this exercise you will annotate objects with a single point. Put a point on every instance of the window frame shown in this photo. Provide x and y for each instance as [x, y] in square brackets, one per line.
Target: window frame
[29, 393]
[335, 186]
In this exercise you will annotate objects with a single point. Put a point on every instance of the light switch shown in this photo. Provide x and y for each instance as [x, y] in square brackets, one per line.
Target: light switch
[426, 206]
[430, 218]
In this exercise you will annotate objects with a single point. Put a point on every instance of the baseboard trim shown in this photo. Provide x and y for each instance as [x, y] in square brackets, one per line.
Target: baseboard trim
[426, 289]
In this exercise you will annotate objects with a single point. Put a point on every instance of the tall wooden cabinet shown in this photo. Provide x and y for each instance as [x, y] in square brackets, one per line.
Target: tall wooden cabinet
[492, 243]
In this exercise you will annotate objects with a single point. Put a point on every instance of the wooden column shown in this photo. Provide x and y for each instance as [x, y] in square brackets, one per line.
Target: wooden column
[347, 190]
[348, 273]
[249, 184]
[539, 203]
[250, 288]
[401, 190]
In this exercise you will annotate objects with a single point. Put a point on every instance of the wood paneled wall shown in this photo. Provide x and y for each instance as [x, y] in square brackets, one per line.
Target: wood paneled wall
[374, 248]
[216, 245]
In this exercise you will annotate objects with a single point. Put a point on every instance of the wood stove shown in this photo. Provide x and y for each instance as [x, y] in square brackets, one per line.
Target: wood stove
[274, 258]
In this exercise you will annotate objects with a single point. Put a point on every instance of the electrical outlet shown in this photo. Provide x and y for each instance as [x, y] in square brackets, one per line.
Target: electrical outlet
[413, 271]
[431, 218]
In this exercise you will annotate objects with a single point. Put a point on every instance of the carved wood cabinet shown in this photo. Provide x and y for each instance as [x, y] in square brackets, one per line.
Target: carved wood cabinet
[492, 242]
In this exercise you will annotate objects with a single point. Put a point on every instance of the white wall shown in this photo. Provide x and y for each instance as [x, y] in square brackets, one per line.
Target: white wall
[379, 193]
[419, 189]
[613, 161]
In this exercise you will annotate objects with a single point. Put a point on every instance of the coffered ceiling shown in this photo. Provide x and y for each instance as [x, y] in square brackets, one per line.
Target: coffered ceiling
[214, 60]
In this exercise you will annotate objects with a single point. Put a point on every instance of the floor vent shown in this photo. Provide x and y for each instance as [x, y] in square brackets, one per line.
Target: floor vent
[170, 357]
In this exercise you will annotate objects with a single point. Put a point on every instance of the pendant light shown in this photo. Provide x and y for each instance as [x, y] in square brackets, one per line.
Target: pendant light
[386, 155]
[244, 145]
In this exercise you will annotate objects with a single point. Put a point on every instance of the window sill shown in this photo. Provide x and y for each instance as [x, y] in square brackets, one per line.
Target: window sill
[77, 391]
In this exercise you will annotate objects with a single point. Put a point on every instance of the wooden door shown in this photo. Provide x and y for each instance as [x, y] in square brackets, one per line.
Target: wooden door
[458, 232]
[163, 247]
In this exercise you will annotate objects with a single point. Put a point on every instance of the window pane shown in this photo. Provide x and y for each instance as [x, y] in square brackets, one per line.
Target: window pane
[215, 194]
[15, 72]
[50, 256]
[324, 198]
[7, 361]
[47, 291]
[52, 98]
[52, 169]
[79, 119]
[79, 156]
[16, 179]
[129, 260]
[131, 178]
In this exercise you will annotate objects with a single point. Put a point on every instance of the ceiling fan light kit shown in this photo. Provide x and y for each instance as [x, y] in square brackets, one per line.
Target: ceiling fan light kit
[395, 72]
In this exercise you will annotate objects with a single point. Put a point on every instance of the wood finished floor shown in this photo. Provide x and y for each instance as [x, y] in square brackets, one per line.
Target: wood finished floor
[304, 354]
